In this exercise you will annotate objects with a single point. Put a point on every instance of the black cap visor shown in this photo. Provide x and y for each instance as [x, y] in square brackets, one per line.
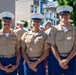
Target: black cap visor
[64, 12]
[36, 19]
[6, 18]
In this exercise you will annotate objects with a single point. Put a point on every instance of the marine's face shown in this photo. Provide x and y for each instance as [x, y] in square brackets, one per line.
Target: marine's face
[64, 17]
[35, 24]
[6, 23]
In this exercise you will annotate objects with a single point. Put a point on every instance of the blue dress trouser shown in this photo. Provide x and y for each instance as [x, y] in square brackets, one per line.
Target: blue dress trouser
[49, 62]
[21, 66]
[7, 61]
[40, 69]
[75, 69]
[57, 70]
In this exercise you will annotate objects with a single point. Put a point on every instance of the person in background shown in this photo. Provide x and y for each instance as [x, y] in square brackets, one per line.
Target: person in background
[63, 43]
[42, 28]
[34, 47]
[47, 24]
[71, 22]
[20, 31]
[49, 60]
[9, 46]
[20, 24]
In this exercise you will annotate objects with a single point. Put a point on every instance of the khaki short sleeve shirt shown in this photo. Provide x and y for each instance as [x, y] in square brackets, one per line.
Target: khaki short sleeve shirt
[64, 41]
[9, 44]
[19, 32]
[34, 43]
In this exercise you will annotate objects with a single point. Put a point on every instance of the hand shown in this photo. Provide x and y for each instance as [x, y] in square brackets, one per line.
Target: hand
[13, 67]
[63, 64]
[7, 69]
[32, 66]
[65, 67]
[4, 68]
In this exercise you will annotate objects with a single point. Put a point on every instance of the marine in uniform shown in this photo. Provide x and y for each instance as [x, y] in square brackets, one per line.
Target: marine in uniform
[9, 46]
[20, 31]
[47, 24]
[49, 60]
[34, 47]
[63, 43]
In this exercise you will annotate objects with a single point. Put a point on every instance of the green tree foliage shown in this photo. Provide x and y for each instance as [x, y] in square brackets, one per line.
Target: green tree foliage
[71, 3]
[25, 23]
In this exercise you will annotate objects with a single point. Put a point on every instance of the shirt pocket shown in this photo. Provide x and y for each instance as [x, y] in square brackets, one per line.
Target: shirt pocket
[59, 36]
[39, 40]
[2, 41]
[13, 41]
[58, 40]
[71, 37]
[27, 41]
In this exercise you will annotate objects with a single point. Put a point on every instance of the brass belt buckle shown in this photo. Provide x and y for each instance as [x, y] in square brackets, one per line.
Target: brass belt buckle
[64, 55]
[7, 56]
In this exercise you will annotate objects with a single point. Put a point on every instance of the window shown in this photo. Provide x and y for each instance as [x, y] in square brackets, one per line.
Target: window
[35, 9]
[47, 11]
[32, 9]
[42, 11]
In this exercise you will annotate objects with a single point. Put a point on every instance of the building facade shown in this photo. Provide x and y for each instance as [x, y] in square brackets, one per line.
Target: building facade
[25, 7]
[8, 5]
[49, 11]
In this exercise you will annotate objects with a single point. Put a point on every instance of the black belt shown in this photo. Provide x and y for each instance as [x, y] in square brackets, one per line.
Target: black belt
[7, 56]
[64, 54]
[34, 58]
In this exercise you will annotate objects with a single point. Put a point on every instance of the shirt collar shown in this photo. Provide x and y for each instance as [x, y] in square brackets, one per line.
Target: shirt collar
[2, 33]
[38, 33]
[68, 28]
